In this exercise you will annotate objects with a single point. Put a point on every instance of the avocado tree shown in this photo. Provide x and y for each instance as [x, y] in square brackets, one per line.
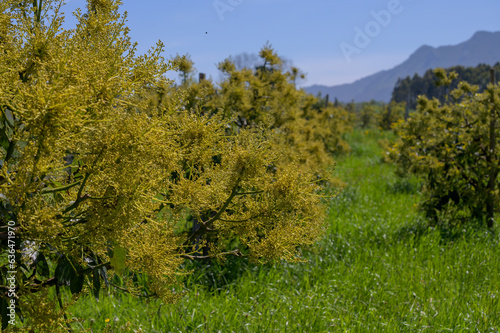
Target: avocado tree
[453, 146]
[96, 180]
[265, 97]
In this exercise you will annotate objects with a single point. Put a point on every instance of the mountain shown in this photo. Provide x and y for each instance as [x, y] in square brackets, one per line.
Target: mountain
[482, 48]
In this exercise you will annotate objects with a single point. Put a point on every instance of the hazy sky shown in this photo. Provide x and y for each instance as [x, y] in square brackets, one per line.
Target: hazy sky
[332, 41]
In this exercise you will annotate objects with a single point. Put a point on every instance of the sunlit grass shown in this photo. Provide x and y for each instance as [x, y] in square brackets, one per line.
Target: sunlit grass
[377, 269]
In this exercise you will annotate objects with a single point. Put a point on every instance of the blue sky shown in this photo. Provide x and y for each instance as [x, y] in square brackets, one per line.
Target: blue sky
[321, 37]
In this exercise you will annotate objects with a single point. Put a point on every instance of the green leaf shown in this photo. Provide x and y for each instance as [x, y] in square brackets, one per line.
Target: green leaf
[4, 140]
[42, 267]
[76, 283]
[66, 271]
[62, 270]
[118, 259]
[5, 319]
[96, 284]
[104, 274]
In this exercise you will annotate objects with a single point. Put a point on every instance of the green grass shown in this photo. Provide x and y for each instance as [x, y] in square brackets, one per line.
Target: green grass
[377, 269]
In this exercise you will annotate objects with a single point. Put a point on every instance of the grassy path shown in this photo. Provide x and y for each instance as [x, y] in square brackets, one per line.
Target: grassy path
[376, 270]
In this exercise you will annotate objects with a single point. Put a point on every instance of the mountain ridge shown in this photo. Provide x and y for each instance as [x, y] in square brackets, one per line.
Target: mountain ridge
[482, 48]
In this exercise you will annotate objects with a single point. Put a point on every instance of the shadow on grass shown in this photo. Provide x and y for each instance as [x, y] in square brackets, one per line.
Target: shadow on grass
[404, 186]
[422, 227]
[216, 276]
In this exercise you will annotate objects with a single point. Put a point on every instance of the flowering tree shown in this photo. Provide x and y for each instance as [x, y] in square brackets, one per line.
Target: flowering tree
[96, 180]
[453, 146]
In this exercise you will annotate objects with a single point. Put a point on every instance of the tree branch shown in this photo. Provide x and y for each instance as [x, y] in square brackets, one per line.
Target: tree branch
[240, 221]
[131, 293]
[205, 225]
[58, 189]
[245, 193]
[236, 253]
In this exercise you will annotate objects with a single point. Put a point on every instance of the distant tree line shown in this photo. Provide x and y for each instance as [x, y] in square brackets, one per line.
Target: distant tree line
[408, 89]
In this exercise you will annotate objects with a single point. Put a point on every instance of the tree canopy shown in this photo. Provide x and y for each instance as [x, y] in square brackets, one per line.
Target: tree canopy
[408, 89]
[110, 172]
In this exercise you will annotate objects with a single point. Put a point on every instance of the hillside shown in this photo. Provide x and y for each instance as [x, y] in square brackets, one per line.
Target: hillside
[482, 48]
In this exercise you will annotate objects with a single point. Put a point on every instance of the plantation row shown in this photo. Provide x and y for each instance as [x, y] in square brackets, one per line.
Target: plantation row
[112, 176]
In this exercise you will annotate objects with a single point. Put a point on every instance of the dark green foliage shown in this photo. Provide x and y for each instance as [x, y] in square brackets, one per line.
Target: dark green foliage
[408, 89]
[366, 115]
[390, 114]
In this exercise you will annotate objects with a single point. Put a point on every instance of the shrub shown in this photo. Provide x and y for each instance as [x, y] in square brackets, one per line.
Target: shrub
[450, 145]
